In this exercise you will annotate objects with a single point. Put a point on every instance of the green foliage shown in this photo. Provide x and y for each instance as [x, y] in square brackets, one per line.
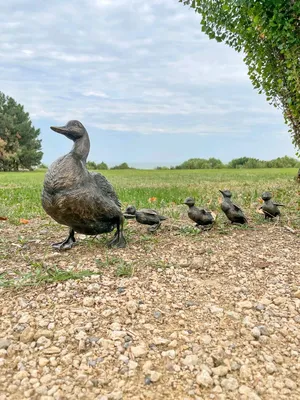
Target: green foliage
[19, 143]
[121, 166]
[40, 274]
[201, 163]
[102, 166]
[268, 33]
[242, 162]
[93, 165]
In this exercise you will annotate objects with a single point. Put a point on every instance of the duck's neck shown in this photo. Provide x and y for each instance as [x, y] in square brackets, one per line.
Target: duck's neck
[82, 147]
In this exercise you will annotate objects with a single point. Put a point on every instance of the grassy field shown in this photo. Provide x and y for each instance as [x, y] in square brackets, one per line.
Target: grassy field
[20, 192]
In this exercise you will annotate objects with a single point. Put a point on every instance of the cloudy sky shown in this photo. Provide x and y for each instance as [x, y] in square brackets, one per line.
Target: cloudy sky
[148, 85]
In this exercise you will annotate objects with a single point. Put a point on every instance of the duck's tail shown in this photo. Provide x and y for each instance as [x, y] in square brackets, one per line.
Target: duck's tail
[162, 218]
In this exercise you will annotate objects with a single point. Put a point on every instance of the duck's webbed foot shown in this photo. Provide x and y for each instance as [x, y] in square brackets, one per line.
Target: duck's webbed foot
[154, 227]
[118, 240]
[67, 243]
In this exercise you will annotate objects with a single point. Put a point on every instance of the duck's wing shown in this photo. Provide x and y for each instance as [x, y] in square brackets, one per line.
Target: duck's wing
[237, 208]
[148, 211]
[279, 205]
[106, 187]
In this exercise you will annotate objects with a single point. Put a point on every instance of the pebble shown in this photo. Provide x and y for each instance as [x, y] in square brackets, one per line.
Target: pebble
[132, 364]
[216, 310]
[245, 304]
[248, 392]
[52, 350]
[155, 376]
[204, 379]
[43, 361]
[221, 370]
[88, 302]
[139, 351]
[260, 307]
[256, 332]
[147, 366]
[290, 384]
[169, 353]
[157, 314]
[297, 294]
[271, 368]
[230, 384]
[190, 360]
[4, 343]
[27, 335]
[131, 307]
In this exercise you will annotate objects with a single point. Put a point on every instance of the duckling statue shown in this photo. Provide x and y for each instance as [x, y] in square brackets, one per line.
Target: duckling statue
[145, 216]
[270, 209]
[201, 216]
[233, 212]
[85, 202]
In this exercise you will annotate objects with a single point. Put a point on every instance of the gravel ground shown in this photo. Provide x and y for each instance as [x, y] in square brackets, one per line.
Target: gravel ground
[204, 316]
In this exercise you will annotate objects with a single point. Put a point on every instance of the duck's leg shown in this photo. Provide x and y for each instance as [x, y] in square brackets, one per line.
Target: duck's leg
[67, 243]
[118, 240]
[154, 227]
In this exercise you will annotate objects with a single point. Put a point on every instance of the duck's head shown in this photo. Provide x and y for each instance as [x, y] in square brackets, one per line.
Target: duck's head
[226, 193]
[130, 210]
[266, 196]
[189, 201]
[73, 130]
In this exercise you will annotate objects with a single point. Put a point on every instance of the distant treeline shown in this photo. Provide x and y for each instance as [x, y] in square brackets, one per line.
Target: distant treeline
[103, 166]
[243, 162]
[211, 163]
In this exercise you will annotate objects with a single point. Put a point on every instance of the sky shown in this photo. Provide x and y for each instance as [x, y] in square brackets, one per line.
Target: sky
[148, 85]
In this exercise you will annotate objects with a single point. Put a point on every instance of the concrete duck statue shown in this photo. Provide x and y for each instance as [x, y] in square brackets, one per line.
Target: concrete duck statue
[85, 202]
[269, 208]
[202, 217]
[233, 212]
[145, 216]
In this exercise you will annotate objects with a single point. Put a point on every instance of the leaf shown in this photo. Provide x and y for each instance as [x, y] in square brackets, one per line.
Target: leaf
[24, 221]
[3, 218]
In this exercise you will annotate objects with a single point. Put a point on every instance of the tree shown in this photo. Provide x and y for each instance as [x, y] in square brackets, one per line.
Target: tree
[201, 163]
[102, 166]
[268, 32]
[91, 165]
[19, 143]
[121, 166]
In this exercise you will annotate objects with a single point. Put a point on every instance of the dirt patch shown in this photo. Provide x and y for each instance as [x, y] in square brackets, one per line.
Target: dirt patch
[194, 316]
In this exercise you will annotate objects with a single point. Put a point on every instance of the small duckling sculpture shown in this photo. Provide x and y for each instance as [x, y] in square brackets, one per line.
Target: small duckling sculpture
[233, 212]
[85, 202]
[201, 216]
[270, 209]
[145, 216]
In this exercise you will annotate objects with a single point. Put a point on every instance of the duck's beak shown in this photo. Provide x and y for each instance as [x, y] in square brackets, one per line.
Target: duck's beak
[221, 191]
[59, 129]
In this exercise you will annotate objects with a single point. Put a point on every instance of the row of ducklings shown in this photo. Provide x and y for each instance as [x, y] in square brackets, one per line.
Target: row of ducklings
[202, 217]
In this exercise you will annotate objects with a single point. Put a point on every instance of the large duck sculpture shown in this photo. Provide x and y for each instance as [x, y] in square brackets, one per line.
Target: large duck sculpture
[85, 202]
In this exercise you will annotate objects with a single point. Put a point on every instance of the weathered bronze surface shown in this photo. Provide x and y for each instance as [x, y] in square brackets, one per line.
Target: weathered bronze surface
[270, 208]
[84, 201]
[233, 212]
[145, 216]
[201, 216]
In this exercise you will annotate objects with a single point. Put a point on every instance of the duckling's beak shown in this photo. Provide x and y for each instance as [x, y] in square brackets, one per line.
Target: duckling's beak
[128, 216]
[60, 129]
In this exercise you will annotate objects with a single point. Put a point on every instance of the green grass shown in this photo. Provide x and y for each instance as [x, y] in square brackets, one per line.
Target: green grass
[20, 193]
[40, 274]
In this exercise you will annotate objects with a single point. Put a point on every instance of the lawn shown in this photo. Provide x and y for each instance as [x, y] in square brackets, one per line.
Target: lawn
[20, 192]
